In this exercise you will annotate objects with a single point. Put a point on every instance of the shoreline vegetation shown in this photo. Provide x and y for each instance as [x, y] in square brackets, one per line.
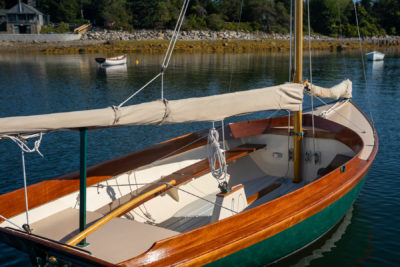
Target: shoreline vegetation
[209, 26]
[156, 42]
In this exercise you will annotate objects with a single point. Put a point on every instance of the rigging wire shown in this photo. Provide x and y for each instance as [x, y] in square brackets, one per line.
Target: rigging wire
[338, 113]
[25, 148]
[363, 65]
[167, 56]
[311, 77]
[183, 190]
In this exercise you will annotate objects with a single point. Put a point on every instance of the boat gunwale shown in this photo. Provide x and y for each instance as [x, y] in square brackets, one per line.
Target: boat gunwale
[69, 183]
[48, 245]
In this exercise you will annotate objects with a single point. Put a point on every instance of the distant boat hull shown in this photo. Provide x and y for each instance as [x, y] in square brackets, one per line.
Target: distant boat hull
[375, 55]
[111, 61]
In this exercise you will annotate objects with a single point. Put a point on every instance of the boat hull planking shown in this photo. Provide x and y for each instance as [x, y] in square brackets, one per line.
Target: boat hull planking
[303, 233]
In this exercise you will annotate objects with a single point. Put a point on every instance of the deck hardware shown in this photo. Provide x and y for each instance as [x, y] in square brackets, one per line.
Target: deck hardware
[298, 134]
[224, 187]
[317, 158]
[27, 228]
[291, 154]
[52, 259]
[343, 168]
[277, 155]
[308, 156]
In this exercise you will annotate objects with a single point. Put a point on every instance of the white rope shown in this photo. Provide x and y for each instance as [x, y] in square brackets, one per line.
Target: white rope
[25, 148]
[138, 91]
[326, 112]
[172, 42]
[22, 143]
[25, 187]
[9, 221]
[175, 35]
[216, 155]
[167, 56]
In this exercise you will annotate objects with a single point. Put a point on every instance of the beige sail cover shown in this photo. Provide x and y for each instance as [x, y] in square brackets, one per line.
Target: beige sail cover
[287, 96]
[343, 89]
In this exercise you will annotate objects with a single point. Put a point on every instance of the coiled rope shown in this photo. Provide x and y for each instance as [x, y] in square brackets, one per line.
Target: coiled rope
[216, 156]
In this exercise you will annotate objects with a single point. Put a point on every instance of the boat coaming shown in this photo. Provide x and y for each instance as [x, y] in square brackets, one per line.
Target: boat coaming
[253, 231]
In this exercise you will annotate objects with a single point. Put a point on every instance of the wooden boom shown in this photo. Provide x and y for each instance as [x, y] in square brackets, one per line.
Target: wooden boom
[117, 212]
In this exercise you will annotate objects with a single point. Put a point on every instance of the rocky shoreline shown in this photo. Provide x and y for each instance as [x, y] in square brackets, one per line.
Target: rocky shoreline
[99, 41]
[107, 35]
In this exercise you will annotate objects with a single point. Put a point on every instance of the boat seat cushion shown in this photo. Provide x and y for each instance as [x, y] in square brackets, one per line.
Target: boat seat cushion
[118, 240]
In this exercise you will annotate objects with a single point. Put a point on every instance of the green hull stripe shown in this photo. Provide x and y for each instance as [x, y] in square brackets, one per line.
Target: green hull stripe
[293, 238]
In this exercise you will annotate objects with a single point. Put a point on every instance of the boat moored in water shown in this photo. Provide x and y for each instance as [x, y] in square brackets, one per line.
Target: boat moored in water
[375, 56]
[111, 61]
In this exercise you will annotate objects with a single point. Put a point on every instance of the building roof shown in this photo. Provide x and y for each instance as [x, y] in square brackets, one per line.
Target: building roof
[25, 9]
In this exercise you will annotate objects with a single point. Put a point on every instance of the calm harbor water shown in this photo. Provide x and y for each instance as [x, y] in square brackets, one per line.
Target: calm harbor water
[38, 84]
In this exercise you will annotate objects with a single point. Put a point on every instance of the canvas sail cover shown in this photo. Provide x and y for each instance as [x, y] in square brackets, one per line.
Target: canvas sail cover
[287, 96]
[343, 89]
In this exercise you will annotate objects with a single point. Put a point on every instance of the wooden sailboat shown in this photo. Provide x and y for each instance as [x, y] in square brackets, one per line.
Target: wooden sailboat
[166, 205]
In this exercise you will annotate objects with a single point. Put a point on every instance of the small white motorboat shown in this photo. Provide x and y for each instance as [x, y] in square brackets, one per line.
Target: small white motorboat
[111, 61]
[375, 55]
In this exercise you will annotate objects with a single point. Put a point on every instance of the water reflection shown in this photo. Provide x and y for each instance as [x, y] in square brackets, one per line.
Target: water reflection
[377, 68]
[114, 72]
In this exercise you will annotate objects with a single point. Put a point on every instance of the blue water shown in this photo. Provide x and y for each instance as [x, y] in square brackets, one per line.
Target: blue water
[38, 84]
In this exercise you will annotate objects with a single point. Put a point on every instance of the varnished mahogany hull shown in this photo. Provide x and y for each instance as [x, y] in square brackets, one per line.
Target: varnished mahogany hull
[254, 237]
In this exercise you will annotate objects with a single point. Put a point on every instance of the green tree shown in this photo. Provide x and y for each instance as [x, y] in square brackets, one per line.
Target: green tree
[116, 15]
[388, 15]
[157, 14]
[324, 16]
[270, 16]
[61, 10]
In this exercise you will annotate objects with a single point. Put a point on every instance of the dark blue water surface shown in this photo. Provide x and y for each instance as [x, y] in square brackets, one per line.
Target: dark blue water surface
[38, 84]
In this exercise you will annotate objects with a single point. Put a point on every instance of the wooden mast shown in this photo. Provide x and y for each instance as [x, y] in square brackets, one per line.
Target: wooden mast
[298, 131]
